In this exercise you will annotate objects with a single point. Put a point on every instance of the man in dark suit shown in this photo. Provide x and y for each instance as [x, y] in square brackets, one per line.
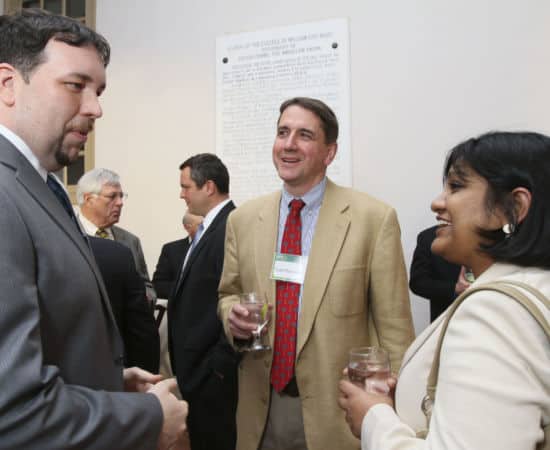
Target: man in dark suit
[100, 199]
[434, 278]
[165, 276]
[172, 256]
[61, 367]
[133, 314]
[204, 363]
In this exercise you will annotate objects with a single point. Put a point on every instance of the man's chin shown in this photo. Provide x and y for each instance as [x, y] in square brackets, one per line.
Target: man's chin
[66, 157]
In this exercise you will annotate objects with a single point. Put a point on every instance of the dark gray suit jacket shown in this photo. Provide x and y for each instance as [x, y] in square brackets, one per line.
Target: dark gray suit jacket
[60, 350]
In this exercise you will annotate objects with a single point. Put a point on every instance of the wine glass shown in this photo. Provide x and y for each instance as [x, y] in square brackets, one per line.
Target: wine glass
[258, 314]
[369, 368]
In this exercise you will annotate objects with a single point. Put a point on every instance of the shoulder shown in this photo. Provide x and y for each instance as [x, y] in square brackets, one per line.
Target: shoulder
[124, 235]
[177, 244]
[255, 206]
[357, 200]
[497, 321]
[107, 246]
[427, 235]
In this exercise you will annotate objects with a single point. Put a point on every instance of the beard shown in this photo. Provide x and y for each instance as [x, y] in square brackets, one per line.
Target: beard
[62, 155]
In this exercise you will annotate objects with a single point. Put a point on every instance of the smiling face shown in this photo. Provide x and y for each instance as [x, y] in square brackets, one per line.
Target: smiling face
[54, 112]
[300, 152]
[462, 210]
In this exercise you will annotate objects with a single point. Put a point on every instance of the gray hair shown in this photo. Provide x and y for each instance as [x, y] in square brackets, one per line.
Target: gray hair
[92, 182]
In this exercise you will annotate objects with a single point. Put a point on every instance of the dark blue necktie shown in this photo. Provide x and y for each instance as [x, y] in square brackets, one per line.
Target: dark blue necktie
[62, 196]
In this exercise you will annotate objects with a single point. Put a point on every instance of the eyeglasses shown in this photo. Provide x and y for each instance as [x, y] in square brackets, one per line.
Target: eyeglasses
[114, 195]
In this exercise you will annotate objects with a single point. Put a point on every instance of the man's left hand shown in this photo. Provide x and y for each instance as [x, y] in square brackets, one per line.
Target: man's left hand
[139, 380]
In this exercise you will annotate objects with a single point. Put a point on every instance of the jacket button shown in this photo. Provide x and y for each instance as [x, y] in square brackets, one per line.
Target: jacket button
[119, 360]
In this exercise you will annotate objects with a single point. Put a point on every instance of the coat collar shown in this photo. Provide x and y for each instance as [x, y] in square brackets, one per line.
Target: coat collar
[330, 232]
[31, 181]
[218, 220]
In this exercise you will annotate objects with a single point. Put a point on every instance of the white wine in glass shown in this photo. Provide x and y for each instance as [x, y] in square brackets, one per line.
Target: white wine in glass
[258, 313]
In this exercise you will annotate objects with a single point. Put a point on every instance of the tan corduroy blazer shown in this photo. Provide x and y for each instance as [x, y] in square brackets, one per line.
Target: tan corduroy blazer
[355, 293]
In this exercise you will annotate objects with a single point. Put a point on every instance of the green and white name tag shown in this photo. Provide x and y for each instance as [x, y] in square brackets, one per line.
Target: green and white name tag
[289, 268]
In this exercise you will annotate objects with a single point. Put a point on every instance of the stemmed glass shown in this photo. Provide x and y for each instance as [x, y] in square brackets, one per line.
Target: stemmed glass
[259, 314]
[369, 368]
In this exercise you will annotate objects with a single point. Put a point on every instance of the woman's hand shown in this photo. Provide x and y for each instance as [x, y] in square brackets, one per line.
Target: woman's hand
[356, 402]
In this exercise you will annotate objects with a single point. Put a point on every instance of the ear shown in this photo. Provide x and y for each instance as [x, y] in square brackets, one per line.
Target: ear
[210, 187]
[86, 197]
[332, 149]
[522, 202]
[7, 84]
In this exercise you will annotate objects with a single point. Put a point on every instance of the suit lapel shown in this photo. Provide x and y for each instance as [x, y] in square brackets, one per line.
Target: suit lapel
[330, 233]
[35, 186]
[220, 217]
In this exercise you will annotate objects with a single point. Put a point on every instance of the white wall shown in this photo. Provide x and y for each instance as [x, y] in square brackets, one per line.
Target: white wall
[424, 75]
[1, 6]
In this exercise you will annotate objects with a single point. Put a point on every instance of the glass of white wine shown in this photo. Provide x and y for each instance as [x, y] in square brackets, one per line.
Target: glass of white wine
[369, 368]
[258, 314]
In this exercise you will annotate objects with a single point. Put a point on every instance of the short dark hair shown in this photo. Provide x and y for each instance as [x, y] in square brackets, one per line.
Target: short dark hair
[329, 122]
[207, 166]
[25, 34]
[507, 160]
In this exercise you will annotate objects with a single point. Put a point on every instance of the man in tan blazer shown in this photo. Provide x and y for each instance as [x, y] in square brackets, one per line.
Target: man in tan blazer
[354, 291]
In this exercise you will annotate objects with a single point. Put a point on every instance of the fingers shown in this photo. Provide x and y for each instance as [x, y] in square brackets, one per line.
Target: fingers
[144, 375]
[238, 325]
[165, 386]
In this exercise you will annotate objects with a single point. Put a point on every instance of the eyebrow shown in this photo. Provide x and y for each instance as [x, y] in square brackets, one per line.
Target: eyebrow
[86, 78]
[300, 130]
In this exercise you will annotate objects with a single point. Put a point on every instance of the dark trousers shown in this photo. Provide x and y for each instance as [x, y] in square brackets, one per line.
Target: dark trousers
[212, 410]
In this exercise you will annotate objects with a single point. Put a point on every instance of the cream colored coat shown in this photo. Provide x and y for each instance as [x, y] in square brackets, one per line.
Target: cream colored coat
[493, 391]
[355, 293]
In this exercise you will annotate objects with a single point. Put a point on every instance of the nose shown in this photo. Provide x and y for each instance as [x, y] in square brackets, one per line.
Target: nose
[438, 203]
[119, 201]
[91, 106]
[290, 142]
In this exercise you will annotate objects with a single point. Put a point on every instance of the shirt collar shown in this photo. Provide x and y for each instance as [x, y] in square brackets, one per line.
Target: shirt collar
[209, 218]
[24, 149]
[90, 227]
[312, 198]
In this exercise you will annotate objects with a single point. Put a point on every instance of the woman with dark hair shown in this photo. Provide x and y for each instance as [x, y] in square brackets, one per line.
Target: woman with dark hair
[493, 384]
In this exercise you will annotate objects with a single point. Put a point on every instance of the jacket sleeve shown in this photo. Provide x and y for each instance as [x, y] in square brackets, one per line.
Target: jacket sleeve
[389, 293]
[164, 276]
[230, 284]
[141, 336]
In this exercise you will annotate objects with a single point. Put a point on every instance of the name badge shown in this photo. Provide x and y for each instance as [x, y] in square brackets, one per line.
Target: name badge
[290, 268]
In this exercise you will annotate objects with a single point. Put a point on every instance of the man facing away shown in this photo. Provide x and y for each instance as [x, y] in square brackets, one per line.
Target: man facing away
[172, 255]
[343, 250]
[133, 315]
[100, 199]
[204, 363]
[61, 355]
[433, 277]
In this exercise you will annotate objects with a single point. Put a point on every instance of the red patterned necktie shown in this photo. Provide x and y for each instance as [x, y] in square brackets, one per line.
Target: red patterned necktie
[288, 293]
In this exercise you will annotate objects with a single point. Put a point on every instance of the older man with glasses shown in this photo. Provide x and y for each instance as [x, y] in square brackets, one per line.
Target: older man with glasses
[100, 199]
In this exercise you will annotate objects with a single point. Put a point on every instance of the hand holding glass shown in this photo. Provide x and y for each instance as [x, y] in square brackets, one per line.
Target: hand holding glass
[258, 314]
[369, 368]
